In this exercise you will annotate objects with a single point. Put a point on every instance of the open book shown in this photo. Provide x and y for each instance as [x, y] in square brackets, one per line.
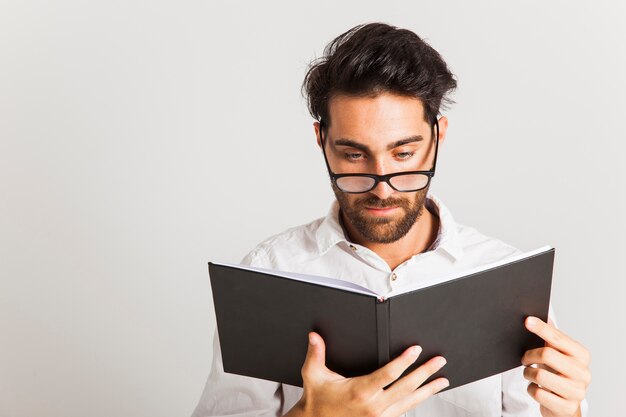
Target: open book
[475, 319]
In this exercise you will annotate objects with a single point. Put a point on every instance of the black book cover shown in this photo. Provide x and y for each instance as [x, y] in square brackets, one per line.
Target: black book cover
[476, 321]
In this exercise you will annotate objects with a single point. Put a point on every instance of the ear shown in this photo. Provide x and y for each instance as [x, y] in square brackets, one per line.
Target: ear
[443, 128]
[316, 126]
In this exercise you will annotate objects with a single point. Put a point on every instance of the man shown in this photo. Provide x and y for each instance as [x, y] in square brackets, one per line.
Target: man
[376, 96]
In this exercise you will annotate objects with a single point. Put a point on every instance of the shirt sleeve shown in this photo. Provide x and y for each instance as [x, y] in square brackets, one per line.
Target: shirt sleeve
[234, 395]
[516, 402]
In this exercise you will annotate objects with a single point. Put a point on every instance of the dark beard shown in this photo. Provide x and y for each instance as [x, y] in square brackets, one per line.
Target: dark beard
[382, 230]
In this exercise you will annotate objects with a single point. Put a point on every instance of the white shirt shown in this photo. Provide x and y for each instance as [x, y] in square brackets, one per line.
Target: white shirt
[321, 248]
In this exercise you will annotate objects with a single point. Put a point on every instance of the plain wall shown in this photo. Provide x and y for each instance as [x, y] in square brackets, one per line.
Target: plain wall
[141, 139]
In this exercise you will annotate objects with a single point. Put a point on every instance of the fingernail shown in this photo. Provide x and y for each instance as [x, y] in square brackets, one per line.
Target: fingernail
[443, 384]
[416, 350]
[442, 361]
[312, 340]
[531, 321]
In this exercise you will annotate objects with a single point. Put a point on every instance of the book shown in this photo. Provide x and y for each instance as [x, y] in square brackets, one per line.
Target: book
[475, 319]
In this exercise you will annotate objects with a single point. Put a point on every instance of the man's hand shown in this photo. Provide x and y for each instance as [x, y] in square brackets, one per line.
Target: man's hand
[560, 381]
[328, 394]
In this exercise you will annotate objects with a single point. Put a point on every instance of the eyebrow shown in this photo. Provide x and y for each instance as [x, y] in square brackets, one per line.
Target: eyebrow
[365, 148]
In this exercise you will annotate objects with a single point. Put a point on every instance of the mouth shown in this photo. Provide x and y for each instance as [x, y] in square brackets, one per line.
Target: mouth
[381, 211]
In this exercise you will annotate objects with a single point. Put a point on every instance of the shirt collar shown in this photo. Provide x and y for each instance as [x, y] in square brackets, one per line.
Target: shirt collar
[330, 233]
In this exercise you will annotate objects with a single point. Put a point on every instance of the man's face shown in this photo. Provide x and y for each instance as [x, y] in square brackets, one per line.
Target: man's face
[380, 135]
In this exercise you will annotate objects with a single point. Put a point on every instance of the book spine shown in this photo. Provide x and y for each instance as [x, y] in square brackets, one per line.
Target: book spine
[382, 331]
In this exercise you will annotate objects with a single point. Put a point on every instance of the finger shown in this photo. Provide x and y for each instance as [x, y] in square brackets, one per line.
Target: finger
[385, 375]
[557, 339]
[557, 361]
[561, 386]
[552, 401]
[315, 360]
[412, 400]
[546, 367]
[415, 379]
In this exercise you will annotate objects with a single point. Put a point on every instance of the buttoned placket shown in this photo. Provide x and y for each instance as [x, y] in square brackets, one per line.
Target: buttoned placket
[396, 276]
[393, 276]
[369, 257]
[381, 287]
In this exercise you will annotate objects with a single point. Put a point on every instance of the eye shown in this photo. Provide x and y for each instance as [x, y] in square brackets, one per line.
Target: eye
[353, 156]
[404, 155]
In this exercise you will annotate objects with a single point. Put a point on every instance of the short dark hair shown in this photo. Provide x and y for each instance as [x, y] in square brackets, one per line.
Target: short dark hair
[373, 58]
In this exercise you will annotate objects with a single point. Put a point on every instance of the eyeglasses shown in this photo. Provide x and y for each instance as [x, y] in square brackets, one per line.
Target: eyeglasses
[407, 181]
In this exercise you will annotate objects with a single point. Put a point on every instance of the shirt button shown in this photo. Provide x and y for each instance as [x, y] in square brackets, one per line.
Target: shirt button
[352, 247]
[394, 276]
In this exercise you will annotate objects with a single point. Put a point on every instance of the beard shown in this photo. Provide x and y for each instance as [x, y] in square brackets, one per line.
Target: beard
[382, 229]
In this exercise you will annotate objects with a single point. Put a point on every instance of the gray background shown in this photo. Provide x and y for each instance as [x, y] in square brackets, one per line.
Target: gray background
[139, 139]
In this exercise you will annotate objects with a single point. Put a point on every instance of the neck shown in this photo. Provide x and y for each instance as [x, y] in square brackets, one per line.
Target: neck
[417, 240]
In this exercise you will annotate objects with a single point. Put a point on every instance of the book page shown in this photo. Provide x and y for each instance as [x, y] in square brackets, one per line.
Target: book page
[313, 279]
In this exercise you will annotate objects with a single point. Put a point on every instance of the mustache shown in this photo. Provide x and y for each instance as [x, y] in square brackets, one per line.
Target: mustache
[375, 202]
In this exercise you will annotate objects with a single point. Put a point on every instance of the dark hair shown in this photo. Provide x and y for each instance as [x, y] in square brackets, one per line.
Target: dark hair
[374, 58]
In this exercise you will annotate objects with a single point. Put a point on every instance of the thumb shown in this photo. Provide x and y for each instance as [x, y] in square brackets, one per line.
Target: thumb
[315, 361]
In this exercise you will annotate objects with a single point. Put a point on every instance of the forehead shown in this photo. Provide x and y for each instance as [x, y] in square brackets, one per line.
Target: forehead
[382, 118]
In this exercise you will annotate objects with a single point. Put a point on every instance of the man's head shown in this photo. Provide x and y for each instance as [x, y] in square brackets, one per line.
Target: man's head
[378, 90]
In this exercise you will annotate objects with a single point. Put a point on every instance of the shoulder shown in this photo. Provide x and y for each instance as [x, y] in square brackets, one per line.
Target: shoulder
[291, 245]
[482, 248]
[473, 247]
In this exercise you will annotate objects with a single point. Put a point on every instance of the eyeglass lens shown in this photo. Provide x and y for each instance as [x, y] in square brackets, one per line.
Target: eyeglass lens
[357, 184]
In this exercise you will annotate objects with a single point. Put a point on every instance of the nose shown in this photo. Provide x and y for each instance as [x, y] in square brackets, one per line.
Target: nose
[382, 189]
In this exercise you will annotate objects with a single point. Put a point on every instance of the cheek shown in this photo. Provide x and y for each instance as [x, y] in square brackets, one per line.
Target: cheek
[412, 202]
[351, 199]
[344, 198]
